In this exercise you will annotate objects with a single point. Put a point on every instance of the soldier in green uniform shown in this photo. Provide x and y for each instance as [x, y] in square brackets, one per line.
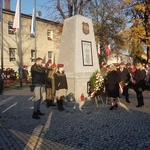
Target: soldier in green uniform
[50, 85]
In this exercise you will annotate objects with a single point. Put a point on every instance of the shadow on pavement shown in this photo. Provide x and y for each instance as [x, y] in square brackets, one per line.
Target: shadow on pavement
[90, 129]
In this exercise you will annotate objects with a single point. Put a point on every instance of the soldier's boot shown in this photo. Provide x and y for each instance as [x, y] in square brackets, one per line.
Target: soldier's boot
[61, 104]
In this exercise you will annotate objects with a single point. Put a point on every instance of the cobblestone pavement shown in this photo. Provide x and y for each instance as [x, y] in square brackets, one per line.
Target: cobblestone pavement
[127, 128]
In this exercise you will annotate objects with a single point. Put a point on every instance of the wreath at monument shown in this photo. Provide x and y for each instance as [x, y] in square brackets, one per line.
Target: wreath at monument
[96, 83]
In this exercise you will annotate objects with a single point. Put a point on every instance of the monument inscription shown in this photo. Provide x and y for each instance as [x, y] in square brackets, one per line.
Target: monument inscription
[87, 53]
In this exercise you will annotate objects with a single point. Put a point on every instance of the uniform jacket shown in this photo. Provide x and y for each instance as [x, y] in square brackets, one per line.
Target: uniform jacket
[49, 78]
[60, 81]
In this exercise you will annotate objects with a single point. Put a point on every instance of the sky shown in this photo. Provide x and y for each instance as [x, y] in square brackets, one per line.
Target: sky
[27, 6]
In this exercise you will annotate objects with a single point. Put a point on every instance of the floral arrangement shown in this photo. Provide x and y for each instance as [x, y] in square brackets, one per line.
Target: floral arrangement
[96, 83]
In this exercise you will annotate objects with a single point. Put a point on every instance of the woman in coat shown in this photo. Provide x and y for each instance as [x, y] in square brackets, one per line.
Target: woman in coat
[61, 85]
[112, 86]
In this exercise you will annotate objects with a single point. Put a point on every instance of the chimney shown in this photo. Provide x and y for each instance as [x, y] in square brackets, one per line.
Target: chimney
[7, 4]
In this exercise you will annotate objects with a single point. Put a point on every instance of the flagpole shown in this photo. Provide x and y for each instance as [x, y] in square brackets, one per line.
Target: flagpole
[35, 46]
[1, 13]
[20, 45]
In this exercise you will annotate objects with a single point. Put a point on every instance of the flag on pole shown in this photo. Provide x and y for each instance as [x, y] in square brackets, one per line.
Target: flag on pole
[54, 59]
[16, 23]
[1, 9]
[108, 50]
[98, 49]
[121, 59]
[33, 26]
[44, 59]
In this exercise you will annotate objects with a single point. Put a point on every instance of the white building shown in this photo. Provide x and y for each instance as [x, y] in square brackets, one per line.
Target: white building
[118, 58]
[47, 40]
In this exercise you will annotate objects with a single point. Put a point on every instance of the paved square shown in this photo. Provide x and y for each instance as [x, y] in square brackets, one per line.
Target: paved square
[127, 128]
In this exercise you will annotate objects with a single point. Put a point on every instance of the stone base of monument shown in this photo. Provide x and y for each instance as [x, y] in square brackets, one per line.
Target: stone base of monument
[79, 105]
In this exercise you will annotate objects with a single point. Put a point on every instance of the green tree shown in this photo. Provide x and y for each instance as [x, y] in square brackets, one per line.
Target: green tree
[108, 23]
[132, 41]
[138, 13]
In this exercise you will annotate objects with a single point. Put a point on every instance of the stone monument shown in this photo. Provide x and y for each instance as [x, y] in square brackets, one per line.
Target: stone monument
[78, 53]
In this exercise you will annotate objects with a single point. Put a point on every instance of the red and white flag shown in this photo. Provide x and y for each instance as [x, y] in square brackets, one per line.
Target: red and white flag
[16, 23]
[98, 49]
[121, 59]
[108, 50]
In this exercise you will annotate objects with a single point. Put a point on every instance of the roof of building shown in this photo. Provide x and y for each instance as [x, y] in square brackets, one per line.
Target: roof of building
[30, 16]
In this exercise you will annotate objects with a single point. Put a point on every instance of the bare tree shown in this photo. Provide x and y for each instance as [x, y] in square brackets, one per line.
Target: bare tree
[59, 10]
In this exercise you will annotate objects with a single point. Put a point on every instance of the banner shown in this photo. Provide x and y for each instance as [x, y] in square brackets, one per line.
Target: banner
[33, 25]
[16, 23]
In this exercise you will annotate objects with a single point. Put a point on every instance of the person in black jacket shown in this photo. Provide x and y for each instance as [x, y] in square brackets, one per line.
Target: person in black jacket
[112, 86]
[61, 86]
[125, 79]
[38, 80]
[139, 84]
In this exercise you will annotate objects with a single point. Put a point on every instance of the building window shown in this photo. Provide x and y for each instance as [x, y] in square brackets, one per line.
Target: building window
[50, 55]
[10, 28]
[32, 55]
[50, 35]
[12, 54]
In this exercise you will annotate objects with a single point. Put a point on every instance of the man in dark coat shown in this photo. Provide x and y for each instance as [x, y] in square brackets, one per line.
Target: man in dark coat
[38, 80]
[139, 84]
[125, 79]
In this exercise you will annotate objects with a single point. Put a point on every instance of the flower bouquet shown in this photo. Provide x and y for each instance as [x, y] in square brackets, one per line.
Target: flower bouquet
[96, 83]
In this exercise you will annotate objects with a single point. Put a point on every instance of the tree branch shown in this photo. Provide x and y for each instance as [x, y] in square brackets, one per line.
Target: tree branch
[82, 5]
[60, 10]
[70, 7]
[75, 7]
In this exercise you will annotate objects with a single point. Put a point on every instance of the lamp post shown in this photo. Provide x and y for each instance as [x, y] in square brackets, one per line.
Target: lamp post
[1, 32]
[20, 45]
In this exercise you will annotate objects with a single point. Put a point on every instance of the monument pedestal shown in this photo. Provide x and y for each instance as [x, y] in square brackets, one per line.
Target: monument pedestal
[78, 53]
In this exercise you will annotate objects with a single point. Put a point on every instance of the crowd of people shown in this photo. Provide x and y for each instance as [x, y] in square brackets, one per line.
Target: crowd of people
[8, 77]
[51, 78]
[5, 75]
[9, 74]
[120, 77]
